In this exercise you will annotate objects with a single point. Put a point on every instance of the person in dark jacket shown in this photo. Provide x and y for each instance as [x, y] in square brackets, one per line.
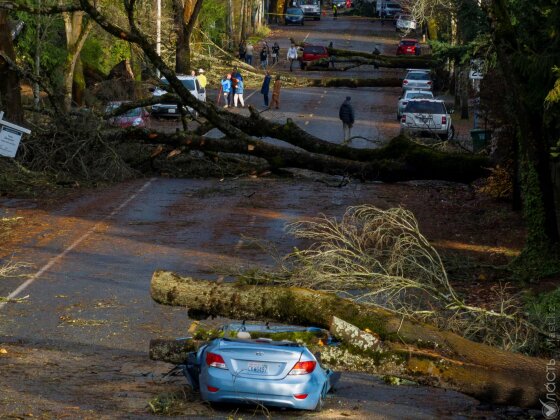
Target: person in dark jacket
[266, 88]
[346, 115]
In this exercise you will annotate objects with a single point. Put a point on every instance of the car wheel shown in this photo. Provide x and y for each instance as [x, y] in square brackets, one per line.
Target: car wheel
[451, 133]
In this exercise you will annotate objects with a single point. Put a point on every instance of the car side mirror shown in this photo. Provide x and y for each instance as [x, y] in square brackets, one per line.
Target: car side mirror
[152, 89]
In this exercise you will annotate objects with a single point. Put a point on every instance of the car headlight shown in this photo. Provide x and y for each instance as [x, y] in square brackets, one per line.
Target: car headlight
[137, 121]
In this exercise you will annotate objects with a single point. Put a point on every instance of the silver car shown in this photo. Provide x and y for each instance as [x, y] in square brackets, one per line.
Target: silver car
[417, 79]
[411, 94]
[427, 117]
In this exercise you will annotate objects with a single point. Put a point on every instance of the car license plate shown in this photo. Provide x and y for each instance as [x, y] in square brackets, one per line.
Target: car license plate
[259, 368]
[172, 110]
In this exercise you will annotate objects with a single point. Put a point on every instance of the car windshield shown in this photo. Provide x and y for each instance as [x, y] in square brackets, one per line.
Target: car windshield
[418, 76]
[408, 43]
[188, 83]
[425, 107]
[419, 95]
[405, 17]
[294, 11]
[314, 50]
[309, 2]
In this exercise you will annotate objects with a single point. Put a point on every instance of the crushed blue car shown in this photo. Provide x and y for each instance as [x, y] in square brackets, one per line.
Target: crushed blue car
[259, 370]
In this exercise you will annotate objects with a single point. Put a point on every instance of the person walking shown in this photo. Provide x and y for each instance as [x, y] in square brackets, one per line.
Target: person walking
[275, 52]
[202, 81]
[263, 56]
[238, 96]
[292, 55]
[249, 49]
[276, 93]
[265, 88]
[226, 89]
[335, 11]
[346, 115]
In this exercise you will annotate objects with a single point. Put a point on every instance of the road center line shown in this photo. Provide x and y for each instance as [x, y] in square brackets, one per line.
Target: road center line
[55, 259]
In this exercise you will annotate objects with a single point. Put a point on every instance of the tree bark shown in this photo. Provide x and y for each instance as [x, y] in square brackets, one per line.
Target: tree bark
[445, 359]
[10, 94]
[399, 160]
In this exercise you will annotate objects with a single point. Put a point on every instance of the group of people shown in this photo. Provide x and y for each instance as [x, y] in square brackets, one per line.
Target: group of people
[232, 88]
[267, 55]
[200, 77]
[265, 90]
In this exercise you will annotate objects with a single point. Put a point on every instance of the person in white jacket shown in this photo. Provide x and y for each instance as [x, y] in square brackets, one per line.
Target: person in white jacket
[292, 55]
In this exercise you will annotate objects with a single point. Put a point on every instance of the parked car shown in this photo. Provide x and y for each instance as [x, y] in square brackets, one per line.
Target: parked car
[411, 94]
[418, 79]
[405, 23]
[170, 109]
[408, 46]
[388, 10]
[313, 53]
[137, 117]
[263, 371]
[311, 8]
[427, 117]
[294, 16]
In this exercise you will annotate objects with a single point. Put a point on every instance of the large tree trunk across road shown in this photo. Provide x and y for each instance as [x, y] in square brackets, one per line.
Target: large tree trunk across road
[426, 353]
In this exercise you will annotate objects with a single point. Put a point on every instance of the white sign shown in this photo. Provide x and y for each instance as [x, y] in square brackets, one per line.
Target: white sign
[10, 136]
[476, 72]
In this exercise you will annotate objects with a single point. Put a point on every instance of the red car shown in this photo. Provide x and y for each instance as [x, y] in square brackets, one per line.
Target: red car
[408, 46]
[137, 117]
[313, 53]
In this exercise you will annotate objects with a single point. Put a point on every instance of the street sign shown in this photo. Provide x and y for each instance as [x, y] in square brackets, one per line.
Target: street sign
[10, 136]
[476, 72]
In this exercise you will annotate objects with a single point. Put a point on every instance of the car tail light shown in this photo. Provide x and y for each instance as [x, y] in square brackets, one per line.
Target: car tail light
[429, 82]
[212, 388]
[300, 396]
[403, 119]
[215, 360]
[303, 368]
[443, 120]
[405, 82]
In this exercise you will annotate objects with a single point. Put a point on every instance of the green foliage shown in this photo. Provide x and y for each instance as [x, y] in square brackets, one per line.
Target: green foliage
[543, 310]
[212, 19]
[46, 34]
[102, 53]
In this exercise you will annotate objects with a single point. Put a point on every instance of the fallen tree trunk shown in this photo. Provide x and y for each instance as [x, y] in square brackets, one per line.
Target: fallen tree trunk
[443, 358]
[355, 83]
[172, 351]
[399, 160]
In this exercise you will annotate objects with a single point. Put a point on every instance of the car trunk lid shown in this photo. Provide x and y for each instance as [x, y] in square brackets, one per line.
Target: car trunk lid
[262, 360]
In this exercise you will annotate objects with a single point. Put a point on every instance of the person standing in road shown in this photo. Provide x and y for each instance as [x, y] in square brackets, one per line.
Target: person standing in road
[292, 55]
[275, 53]
[335, 11]
[226, 89]
[263, 56]
[276, 93]
[265, 88]
[346, 115]
[234, 82]
[202, 79]
[249, 53]
[242, 51]
[238, 96]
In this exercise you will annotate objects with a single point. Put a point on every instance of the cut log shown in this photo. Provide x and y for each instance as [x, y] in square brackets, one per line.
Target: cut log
[356, 338]
[439, 357]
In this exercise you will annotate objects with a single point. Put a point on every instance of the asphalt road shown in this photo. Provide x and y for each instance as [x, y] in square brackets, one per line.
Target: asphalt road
[91, 258]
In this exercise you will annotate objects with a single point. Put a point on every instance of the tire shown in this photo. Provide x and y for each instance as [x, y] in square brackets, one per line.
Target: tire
[451, 133]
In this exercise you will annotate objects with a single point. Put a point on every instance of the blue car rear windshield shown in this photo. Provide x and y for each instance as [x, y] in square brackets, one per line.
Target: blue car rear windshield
[425, 107]
[294, 11]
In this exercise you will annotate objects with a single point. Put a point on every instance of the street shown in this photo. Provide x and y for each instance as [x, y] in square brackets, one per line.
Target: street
[84, 308]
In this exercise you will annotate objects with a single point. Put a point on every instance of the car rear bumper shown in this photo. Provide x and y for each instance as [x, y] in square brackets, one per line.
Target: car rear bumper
[425, 131]
[275, 392]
